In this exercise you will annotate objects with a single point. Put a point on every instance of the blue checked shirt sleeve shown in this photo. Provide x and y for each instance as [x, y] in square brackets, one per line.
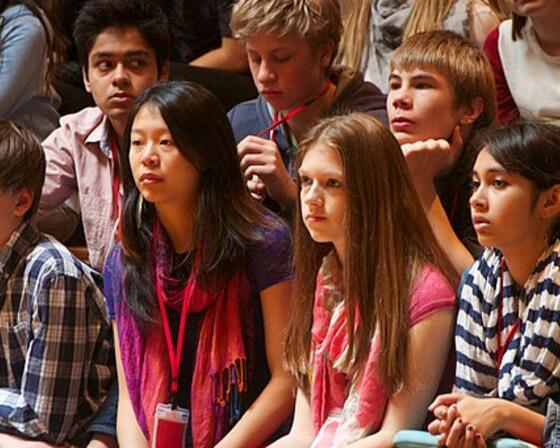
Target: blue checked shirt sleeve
[57, 363]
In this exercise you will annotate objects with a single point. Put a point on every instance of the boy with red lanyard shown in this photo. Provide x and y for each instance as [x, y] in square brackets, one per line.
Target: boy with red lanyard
[291, 46]
[123, 46]
[441, 91]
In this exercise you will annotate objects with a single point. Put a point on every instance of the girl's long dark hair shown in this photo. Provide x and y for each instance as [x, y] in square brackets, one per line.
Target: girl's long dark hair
[227, 218]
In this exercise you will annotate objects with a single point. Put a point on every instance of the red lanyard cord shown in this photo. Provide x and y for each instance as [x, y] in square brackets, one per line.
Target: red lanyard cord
[291, 114]
[502, 348]
[174, 355]
[116, 180]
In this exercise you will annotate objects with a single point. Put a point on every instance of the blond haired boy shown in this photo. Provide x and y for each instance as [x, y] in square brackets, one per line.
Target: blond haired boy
[291, 45]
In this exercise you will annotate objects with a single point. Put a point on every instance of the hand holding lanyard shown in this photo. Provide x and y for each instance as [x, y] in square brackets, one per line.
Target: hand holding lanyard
[278, 120]
[255, 184]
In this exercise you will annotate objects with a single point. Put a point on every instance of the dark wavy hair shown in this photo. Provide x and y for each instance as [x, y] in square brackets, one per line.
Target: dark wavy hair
[144, 15]
[227, 219]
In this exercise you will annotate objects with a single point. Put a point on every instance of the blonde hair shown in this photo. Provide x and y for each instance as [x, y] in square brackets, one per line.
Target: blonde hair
[318, 21]
[463, 64]
[356, 24]
[428, 15]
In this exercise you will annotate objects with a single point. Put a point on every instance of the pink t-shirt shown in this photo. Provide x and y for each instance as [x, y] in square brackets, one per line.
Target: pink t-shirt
[344, 412]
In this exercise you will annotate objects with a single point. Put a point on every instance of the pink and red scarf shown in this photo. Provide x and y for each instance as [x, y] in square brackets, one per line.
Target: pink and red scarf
[221, 361]
[343, 410]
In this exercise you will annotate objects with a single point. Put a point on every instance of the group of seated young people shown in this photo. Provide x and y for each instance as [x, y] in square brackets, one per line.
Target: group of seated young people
[322, 266]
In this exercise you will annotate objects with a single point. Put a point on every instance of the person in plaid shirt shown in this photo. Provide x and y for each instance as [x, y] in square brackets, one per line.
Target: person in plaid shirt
[56, 349]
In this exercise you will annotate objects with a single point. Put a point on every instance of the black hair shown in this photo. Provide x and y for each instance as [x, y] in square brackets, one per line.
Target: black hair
[518, 22]
[22, 162]
[144, 15]
[529, 149]
[227, 219]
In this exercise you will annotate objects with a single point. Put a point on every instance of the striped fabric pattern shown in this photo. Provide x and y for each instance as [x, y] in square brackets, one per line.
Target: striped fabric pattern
[530, 367]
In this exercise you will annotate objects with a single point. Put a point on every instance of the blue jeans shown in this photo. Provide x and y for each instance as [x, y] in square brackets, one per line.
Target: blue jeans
[105, 421]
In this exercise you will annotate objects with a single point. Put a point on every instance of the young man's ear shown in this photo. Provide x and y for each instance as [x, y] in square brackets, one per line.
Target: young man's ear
[164, 72]
[550, 202]
[24, 202]
[469, 113]
[85, 78]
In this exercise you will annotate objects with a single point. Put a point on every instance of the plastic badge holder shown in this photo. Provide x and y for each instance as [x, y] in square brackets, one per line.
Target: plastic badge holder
[170, 427]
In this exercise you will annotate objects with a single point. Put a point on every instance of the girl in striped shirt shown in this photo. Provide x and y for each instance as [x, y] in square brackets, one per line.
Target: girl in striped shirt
[508, 334]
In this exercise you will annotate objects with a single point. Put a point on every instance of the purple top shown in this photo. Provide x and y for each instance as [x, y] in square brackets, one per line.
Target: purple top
[269, 262]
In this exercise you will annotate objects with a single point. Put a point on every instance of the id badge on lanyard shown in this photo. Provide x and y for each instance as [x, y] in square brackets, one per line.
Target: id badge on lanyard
[171, 421]
[170, 427]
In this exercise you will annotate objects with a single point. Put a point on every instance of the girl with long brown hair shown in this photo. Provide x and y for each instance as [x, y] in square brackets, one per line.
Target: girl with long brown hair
[372, 285]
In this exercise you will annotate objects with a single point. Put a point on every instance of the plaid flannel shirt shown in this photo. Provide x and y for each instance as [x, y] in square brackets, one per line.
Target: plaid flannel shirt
[56, 358]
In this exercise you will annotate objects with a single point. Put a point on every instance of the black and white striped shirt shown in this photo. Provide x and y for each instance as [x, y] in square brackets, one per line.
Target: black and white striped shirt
[530, 369]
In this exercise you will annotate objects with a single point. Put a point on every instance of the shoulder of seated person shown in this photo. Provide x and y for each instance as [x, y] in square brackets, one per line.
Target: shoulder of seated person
[82, 121]
[14, 13]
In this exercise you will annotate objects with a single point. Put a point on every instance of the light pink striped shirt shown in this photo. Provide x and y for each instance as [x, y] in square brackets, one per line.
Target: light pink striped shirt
[79, 159]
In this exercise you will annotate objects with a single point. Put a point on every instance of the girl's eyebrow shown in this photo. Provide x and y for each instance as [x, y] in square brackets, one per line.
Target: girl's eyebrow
[498, 170]
[492, 170]
[323, 173]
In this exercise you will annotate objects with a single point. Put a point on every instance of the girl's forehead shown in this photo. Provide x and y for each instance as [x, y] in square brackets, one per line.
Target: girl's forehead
[321, 149]
[485, 161]
[321, 154]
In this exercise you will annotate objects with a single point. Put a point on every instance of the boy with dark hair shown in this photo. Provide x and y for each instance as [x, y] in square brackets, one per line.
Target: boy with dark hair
[441, 91]
[123, 46]
[56, 354]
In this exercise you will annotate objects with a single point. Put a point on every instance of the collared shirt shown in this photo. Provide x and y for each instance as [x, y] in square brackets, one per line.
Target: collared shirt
[56, 350]
[79, 159]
